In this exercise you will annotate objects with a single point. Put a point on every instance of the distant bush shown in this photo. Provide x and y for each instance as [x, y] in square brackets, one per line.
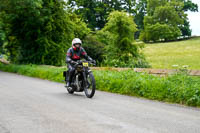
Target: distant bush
[130, 62]
[163, 21]
[159, 32]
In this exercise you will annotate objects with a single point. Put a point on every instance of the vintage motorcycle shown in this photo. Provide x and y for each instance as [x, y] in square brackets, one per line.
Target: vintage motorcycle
[82, 80]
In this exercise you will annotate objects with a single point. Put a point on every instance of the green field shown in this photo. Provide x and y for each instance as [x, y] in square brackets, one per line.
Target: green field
[165, 55]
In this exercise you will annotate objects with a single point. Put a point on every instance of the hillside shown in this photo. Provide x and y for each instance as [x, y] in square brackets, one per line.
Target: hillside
[165, 55]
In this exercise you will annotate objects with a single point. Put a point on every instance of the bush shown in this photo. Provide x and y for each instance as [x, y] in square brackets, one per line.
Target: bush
[42, 34]
[180, 89]
[159, 32]
[139, 62]
[163, 21]
[94, 48]
[121, 51]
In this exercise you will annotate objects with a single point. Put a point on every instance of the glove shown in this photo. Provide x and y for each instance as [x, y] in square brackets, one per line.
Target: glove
[93, 61]
[79, 62]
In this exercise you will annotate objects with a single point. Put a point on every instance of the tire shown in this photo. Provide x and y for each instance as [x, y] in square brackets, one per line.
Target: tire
[90, 86]
[70, 91]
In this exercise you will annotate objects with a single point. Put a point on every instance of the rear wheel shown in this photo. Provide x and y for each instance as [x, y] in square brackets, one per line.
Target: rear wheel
[90, 86]
[70, 90]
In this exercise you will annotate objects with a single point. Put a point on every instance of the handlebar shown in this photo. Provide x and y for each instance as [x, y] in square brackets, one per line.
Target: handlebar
[79, 62]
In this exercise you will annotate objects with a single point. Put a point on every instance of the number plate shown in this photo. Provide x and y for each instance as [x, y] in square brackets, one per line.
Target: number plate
[85, 64]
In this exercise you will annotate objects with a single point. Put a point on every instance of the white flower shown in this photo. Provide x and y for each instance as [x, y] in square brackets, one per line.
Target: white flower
[174, 65]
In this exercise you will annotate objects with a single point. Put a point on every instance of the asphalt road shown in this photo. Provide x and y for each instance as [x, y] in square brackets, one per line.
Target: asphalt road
[31, 105]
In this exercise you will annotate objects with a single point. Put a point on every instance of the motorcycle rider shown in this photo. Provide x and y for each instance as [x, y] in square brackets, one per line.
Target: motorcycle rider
[74, 54]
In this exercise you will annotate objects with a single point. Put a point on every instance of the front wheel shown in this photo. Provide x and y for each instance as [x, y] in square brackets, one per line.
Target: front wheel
[90, 86]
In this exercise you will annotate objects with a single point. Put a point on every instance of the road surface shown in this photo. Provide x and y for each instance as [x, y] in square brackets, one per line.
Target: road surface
[31, 105]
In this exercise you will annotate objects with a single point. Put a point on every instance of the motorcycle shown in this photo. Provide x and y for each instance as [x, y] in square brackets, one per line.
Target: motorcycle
[82, 80]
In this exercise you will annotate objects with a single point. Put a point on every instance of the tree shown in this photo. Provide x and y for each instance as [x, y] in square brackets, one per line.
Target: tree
[141, 11]
[38, 29]
[185, 28]
[3, 25]
[188, 6]
[123, 52]
[86, 9]
[41, 31]
[95, 12]
[95, 48]
[2, 35]
[161, 32]
[166, 15]
[80, 28]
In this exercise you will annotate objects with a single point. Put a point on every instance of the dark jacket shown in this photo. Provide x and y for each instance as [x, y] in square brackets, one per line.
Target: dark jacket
[76, 55]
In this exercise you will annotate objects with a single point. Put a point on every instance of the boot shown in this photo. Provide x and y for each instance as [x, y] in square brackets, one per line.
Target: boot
[68, 83]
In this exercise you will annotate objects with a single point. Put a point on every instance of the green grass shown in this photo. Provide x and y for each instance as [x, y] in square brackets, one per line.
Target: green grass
[178, 88]
[165, 55]
[43, 72]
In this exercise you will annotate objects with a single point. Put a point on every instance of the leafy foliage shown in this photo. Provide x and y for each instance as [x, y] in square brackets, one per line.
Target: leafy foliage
[190, 6]
[79, 27]
[161, 32]
[181, 89]
[3, 32]
[94, 48]
[141, 11]
[2, 36]
[121, 51]
[167, 13]
[163, 20]
[96, 12]
[41, 31]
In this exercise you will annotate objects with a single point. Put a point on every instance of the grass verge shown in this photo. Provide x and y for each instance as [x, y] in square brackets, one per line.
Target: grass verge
[178, 88]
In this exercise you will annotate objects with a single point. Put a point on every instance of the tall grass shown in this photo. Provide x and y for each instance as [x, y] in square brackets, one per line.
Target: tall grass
[178, 88]
[43, 72]
[165, 55]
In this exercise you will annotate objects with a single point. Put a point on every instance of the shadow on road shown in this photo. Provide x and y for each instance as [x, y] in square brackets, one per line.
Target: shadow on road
[67, 95]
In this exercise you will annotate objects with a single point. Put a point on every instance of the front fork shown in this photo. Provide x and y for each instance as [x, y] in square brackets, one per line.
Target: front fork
[85, 73]
[84, 79]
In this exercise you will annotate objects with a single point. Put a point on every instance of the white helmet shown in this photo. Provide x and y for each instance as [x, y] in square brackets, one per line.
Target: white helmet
[75, 41]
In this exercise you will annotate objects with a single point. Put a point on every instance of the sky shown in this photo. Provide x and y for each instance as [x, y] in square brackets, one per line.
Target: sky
[194, 18]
